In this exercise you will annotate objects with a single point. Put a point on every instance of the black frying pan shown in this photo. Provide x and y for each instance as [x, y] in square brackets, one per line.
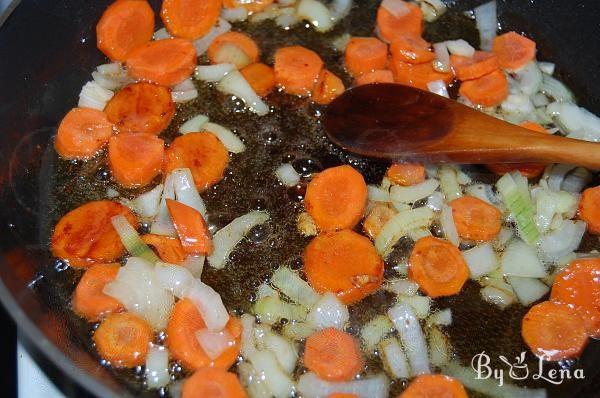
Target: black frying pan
[47, 51]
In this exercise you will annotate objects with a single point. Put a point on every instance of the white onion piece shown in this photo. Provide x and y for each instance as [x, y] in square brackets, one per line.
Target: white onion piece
[228, 237]
[157, 367]
[161, 34]
[577, 180]
[231, 141]
[440, 318]
[413, 339]
[214, 343]
[496, 296]
[460, 47]
[209, 304]
[329, 311]
[235, 84]
[520, 259]
[439, 350]
[279, 382]
[547, 67]
[432, 9]
[438, 87]
[311, 386]
[435, 201]
[557, 175]
[442, 58]
[94, 96]
[111, 76]
[449, 184]
[404, 287]
[194, 125]
[287, 175]
[540, 100]
[518, 106]
[316, 13]
[213, 73]
[528, 290]
[487, 24]
[285, 20]
[483, 192]
[284, 350]
[529, 78]
[295, 288]
[397, 8]
[113, 193]
[202, 44]
[229, 53]
[556, 89]
[297, 331]
[265, 290]
[394, 359]
[251, 381]
[563, 241]
[174, 278]
[377, 194]
[146, 205]
[374, 331]
[184, 93]
[194, 264]
[339, 9]
[186, 191]
[413, 193]
[106, 81]
[341, 42]
[448, 226]
[418, 233]
[399, 225]
[505, 235]
[248, 345]
[420, 304]
[234, 14]
[162, 224]
[481, 260]
[111, 69]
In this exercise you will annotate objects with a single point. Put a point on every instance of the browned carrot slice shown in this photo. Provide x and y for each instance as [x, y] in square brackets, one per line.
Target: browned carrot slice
[88, 299]
[141, 108]
[438, 267]
[328, 88]
[82, 133]
[336, 198]
[411, 49]
[365, 54]
[589, 209]
[165, 62]
[513, 50]
[217, 51]
[190, 19]
[213, 383]
[183, 324]
[390, 26]
[377, 76]
[406, 174]
[480, 64]
[260, 77]
[417, 75]
[191, 228]
[378, 216]
[488, 90]
[169, 249]
[333, 355]
[202, 153]
[476, 219]
[85, 235]
[434, 386]
[123, 339]
[124, 26]
[135, 158]
[344, 263]
[297, 69]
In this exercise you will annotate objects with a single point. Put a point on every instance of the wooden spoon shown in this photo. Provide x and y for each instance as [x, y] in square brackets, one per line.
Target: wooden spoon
[392, 121]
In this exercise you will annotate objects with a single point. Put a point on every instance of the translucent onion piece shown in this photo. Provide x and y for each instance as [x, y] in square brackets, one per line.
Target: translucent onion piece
[287, 175]
[157, 367]
[413, 339]
[209, 304]
[235, 84]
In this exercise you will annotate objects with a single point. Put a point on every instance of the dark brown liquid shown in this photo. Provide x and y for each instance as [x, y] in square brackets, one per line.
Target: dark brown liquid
[379, 119]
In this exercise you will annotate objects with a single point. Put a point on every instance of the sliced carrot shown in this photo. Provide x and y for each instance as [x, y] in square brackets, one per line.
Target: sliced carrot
[344, 263]
[406, 174]
[390, 26]
[191, 228]
[82, 133]
[333, 355]
[513, 50]
[376, 76]
[378, 216]
[141, 108]
[239, 40]
[579, 286]
[135, 158]
[85, 235]
[417, 75]
[123, 339]
[589, 209]
[190, 19]
[251, 6]
[527, 170]
[434, 386]
[438, 267]
[169, 249]
[88, 299]
[411, 49]
[183, 324]
[365, 54]
[554, 331]
[480, 64]
[124, 26]
[328, 88]
[297, 69]
[488, 90]
[260, 77]
[476, 219]
[202, 153]
[336, 198]
[165, 62]
[212, 383]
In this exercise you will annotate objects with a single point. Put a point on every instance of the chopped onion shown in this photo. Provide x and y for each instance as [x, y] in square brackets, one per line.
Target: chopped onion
[329, 311]
[404, 287]
[297, 330]
[146, 205]
[94, 96]
[547, 67]
[157, 367]
[311, 386]
[399, 225]
[418, 233]
[377, 194]
[439, 348]
[435, 201]
[556, 175]
[432, 9]
[563, 241]
[397, 8]
[339, 9]
[252, 382]
[284, 350]
[340, 42]
[229, 53]
[131, 240]
[556, 89]
[214, 343]
[287, 175]
[280, 383]
[202, 44]
[374, 331]
[235, 84]
[413, 193]
[505, 235]
[209, 305]
[306, 225]
[162, 224]
[316, 13]
[496, 296]
[449, 183]
[248, 345]
[481, 260]
[413, 340]
[213, 73]
[161, 34]
[515, 192]
[271, 310]
[234, 14]
[420, 304]
[483, 192]
[576, 180]
[442, 57]
[174, 278]
[186, 191]
[529, 78]
[111, 76]
[394, 359]
[440, 318]
[113, 193]
[460, 47]
[228, 237]
[194, 264]
[448, 225]
[289, 283]
[231, 141]
[528, 290]
[520, 259]
[438, 87]
[287, 20]
[265, 290]
[549, 204]
[194, 125]
[487, 24]
[184, 91]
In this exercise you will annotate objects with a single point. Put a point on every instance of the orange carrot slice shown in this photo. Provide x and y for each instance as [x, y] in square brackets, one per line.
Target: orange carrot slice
[82, 133]
[411, 49]
[169, 249]
[378, 216]
[241, 41]
[438, 267]
[344, 263]
[297, 69]
[191, 228]
[406, 174]
[135, 158]
[589, 209]
[260, 77]
[476, 219]
[328, 88]
[88, 299]
[390, 26]
[417, 75]
[434, 386]
[377, 76]
[213, 383]
[480, 64]
[488, 90]
[365, 54]
[190, 19]
[333, 355]
[513, 50]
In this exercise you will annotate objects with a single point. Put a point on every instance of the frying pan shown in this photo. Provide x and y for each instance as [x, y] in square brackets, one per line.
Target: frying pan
[47, 51]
